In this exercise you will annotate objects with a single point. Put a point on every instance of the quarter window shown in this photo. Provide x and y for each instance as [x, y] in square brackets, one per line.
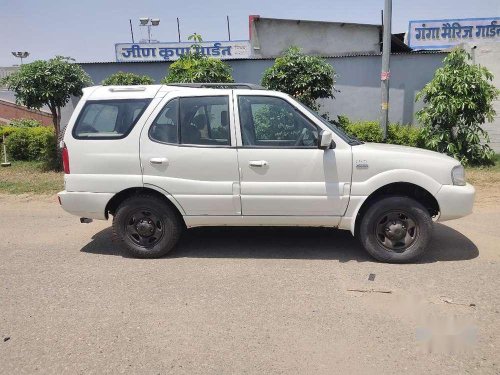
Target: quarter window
[108, 119]
[273, 122]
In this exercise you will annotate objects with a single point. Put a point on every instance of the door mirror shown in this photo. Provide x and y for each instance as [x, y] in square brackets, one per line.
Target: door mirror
[326, 140]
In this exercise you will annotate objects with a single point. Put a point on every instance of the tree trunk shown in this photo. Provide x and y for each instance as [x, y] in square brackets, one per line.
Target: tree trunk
[56, 121]
[58, 134]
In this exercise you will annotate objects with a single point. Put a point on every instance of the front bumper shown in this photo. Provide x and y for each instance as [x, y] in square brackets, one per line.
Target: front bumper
[455, 201]
[90, 205]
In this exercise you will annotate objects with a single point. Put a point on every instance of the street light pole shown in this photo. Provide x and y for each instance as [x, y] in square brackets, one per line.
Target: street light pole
[20, 54]
[385, 74]
[149, 22]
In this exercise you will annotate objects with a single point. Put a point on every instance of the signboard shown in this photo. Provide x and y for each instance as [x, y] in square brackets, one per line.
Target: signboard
[126, 52]
[440, 34]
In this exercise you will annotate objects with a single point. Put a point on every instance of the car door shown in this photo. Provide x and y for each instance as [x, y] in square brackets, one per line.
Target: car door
[187, 149]
[282, 170]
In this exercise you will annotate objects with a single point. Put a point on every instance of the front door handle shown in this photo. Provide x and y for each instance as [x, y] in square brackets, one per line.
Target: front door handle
[258, 163]
[157, 161]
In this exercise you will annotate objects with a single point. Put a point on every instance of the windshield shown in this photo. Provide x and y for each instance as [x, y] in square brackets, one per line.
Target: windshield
[348, 138]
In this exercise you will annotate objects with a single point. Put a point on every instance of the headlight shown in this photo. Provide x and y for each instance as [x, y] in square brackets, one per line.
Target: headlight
[458, 175]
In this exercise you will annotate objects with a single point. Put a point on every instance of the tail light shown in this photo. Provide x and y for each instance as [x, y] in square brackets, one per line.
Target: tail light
[65, 159]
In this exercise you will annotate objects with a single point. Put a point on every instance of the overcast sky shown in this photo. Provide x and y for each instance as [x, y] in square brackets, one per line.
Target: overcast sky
[88, 29]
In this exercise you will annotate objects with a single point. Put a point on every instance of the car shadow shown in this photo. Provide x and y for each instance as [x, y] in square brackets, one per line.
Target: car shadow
[447, 244]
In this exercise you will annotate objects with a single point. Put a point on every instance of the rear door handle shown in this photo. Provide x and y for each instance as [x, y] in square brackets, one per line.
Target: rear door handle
[258, 163]
[157, 161]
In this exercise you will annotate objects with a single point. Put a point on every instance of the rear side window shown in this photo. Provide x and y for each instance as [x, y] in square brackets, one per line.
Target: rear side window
[108, 119]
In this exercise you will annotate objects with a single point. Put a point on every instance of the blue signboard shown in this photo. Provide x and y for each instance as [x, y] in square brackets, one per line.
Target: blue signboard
[441, 34]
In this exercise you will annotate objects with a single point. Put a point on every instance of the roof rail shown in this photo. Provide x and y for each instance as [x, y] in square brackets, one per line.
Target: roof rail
[127, 88]
[221, 85]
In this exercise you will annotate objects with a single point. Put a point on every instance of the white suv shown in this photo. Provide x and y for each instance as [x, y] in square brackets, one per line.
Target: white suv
[164, 158]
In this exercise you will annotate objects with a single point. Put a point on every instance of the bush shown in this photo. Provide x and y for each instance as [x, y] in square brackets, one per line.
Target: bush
[367, 131]
[127, 79]
[25, 123]
[458, 100]
[370, 131]
[6, 130]
[405, 135]
[38, 144]
[306, 78]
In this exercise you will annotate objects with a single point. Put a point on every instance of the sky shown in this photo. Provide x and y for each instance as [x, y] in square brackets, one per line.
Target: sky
[88, 29]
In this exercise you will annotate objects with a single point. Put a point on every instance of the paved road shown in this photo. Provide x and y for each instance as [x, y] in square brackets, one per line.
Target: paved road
[236, 301]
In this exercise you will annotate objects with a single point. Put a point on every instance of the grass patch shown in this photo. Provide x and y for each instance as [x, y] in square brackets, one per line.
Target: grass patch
[485, 176]
[29, 177]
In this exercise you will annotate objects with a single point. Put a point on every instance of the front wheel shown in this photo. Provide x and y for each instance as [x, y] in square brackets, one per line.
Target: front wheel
[146, 226]
[396, 230]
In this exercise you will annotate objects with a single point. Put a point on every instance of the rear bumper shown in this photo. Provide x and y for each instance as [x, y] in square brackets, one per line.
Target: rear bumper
[455, 201]
[91, 205]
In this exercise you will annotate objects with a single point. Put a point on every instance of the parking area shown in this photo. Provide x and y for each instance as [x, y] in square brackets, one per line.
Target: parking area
[245, 300]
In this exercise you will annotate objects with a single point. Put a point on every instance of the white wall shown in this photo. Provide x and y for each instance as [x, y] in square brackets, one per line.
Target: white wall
[488, 55]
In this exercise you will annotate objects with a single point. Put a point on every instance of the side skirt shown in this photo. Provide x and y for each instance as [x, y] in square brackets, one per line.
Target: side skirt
[250, 221]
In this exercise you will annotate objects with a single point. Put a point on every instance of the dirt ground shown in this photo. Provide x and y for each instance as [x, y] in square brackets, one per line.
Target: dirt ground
[245, 300]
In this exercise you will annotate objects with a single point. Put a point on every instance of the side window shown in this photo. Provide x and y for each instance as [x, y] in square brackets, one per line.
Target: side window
[164, 127]
[204, 120]
[273, 122]
[108, 119]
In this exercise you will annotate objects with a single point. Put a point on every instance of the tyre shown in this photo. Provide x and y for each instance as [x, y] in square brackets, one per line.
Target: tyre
[396, 229]
[147, 226]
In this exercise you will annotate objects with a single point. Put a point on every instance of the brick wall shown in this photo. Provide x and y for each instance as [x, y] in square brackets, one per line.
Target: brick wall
[9, 111]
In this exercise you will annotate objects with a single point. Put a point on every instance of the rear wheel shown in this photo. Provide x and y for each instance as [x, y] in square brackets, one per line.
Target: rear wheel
[146, 226]
[396, 230]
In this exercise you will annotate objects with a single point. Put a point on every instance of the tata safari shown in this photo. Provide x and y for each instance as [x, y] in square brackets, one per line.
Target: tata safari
[164, 158]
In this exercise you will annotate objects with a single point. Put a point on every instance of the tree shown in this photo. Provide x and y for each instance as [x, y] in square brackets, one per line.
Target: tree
[48, 82]
[196, 67]
[458, 101]
[307, 78]
[125, 79]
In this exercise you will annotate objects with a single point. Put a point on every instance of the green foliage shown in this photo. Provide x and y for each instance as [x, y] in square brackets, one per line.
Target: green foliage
[34, 144]
[25, 123]
[370, 131]
[343, 121]
[195, 38]
[458, 101]
[405, 135]
[367, 131]
[306, 78]
[193, 67]
[126, 79]
[6, 130]
[47, 82]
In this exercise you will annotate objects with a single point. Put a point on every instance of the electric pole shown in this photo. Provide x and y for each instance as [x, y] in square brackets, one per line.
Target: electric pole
[385, 74]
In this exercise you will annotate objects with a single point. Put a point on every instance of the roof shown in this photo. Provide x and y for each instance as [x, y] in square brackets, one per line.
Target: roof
[343, 55]
[259, 19]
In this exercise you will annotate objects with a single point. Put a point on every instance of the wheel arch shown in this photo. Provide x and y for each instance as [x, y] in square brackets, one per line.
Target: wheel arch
[118, 198]
[406, 189]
